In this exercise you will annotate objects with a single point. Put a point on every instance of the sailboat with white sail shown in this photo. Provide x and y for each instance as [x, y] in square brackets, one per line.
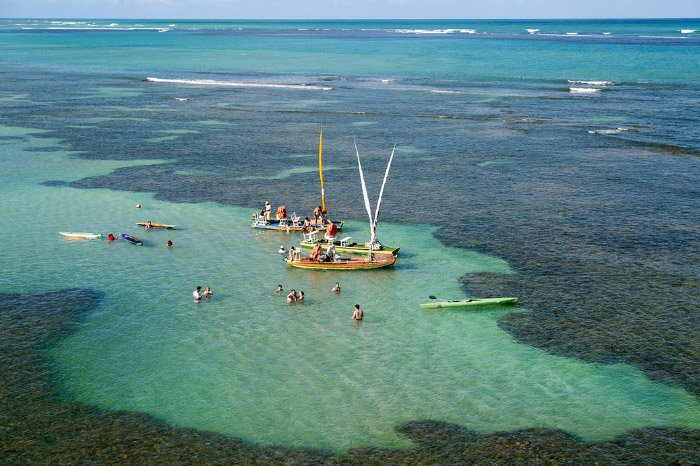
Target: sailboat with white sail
[375, 259]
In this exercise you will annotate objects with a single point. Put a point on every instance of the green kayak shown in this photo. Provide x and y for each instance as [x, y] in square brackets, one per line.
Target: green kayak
[469, 302]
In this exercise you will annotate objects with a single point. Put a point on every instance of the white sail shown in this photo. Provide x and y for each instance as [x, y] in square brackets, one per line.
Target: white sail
[381, 192]
[364, 188]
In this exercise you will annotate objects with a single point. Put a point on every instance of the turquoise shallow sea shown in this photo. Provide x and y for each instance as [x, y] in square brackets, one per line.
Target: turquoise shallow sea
[556, 161]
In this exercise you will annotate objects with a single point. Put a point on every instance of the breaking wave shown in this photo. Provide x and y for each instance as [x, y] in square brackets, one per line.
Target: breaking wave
[592, 83]
[212, 82]
[583, 90]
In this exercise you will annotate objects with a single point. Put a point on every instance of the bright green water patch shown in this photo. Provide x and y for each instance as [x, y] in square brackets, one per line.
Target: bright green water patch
[288, 173]
[247, 364]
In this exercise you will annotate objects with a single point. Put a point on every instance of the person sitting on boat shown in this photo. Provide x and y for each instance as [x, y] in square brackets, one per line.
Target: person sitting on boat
[316, 252]
[330, 253]
[307, 225]
[331, 232]
[336, 288]
[317, 215]
[292, 296]
[268, 210]
[281, 212]
[293, 254]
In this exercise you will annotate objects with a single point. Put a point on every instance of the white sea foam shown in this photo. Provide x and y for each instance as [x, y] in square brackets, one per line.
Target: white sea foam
[211, 82]
[592, 83]
[608, 131]
[583, 90]
[181, 99]
[572, 33]
[532, 31]
[94, 28]
[607, 33]
[436, 31]
[688, 31]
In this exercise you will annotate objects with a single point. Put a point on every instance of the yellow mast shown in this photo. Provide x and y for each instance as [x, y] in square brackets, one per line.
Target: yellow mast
[320, 171]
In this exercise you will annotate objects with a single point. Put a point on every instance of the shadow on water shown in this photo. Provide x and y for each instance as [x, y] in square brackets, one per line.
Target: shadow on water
[38, 428]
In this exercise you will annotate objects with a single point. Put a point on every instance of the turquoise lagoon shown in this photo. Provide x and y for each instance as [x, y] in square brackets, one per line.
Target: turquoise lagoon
[247, 364]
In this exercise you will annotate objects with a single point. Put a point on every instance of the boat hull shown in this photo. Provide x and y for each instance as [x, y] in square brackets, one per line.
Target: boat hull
[275, 225]
[350, 248]
[77, 235]
[163, 226]
[469, 302]
[386, 260]
[131, 239]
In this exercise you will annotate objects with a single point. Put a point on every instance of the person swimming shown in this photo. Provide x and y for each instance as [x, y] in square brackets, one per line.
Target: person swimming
[207, 292]
[279, 289]
[336, 288]
[292, 296]
[301, 296]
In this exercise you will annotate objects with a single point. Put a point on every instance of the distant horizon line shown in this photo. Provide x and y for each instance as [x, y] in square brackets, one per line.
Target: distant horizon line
[351, 19]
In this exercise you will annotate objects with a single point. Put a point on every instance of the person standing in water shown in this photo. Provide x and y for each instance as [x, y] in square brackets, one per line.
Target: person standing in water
[196, 294]
[336, 288]
[358, 314]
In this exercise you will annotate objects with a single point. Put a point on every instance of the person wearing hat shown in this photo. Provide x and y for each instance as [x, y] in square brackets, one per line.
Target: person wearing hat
[268, 210]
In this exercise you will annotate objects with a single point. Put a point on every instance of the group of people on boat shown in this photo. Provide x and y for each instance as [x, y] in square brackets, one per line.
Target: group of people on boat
[319, 216]
[329, 256]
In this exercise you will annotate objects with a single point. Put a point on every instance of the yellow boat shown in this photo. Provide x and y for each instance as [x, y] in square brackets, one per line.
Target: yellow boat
[156, 225]
[355, 263]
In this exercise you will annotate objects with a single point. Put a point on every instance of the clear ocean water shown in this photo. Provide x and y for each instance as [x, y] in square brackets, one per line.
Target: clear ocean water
[556, 161]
